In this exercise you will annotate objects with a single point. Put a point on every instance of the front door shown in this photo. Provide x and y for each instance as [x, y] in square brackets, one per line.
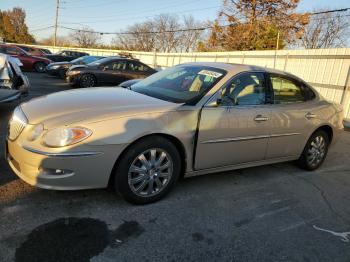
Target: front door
[236, 129]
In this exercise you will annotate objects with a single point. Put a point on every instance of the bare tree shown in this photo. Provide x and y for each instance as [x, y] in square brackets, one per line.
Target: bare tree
[85, 37]
[60, 41]
[191, 38]
[325, 31]
[163, 33]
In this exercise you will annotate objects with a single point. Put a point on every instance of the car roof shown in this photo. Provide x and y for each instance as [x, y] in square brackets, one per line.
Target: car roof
[233, 68]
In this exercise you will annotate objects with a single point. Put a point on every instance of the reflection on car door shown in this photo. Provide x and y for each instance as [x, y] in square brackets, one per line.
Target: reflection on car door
[114, 72]
[136, 70]
[237, 130]
[292, 117]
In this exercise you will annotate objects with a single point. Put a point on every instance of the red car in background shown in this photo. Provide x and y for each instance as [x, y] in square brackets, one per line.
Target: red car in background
[29, 61]
[32, 50]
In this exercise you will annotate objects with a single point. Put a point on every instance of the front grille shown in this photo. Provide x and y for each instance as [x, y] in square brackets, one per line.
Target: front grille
[17, 123]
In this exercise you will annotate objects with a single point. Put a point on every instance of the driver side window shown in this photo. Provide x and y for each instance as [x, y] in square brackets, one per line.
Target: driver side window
[247, 89]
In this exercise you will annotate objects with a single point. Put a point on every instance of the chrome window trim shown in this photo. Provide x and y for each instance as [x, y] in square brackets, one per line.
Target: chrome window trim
[63, 154]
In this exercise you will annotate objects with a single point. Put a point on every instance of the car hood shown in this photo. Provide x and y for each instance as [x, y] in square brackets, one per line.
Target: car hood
[41, 58]
[78, 67]
[93, 104]
[60, 63]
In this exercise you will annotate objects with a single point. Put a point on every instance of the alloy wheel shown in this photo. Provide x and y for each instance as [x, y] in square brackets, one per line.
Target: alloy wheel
[316, 151]
[150, 172]
[87, 81]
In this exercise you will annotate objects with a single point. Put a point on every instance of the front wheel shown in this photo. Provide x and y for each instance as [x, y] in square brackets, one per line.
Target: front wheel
[39, 67]
[148, 170]
[315, 151]
[87, 80]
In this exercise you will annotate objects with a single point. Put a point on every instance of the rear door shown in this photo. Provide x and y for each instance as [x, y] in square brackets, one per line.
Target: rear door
[293, 118]
[137, 70]
[114, 72]
[236, 130]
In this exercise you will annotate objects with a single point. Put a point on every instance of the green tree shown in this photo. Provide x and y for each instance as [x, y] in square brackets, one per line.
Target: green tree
[13, 27]
[255, 24]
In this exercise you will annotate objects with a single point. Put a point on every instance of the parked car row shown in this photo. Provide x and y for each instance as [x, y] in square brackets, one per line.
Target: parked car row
[36, 59]
[30, 62]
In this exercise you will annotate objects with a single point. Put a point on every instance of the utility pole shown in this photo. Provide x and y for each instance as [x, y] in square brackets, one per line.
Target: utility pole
[277, 46]
[56, 22]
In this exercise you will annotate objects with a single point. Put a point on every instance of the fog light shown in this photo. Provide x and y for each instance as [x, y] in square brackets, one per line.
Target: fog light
[56, 172]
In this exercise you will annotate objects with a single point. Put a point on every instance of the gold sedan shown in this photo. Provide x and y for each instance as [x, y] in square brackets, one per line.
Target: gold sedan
[190, 119]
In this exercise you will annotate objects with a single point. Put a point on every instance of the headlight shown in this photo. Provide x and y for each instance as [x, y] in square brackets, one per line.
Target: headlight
[35, 132]
[73, 72]
[55, 67]
[66, 136]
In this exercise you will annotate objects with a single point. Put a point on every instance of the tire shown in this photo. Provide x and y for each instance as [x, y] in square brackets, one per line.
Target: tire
[87, 80]
[142, 184]
[40, 67]
[315, 151]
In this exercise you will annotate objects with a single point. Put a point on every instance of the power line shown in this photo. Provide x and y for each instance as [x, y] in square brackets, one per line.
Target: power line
[166, 7]
[141, 33]
[41, 29]
[330, 11]
[139, 17]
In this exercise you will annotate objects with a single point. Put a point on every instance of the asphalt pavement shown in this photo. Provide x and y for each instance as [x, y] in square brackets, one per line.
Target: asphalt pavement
[270, 213]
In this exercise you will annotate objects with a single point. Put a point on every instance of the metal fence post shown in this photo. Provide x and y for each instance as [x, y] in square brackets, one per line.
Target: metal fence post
[285, 62]
[345, 99]
[155, 58]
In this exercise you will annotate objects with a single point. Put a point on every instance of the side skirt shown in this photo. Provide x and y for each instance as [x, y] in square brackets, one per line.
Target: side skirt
[239, 166]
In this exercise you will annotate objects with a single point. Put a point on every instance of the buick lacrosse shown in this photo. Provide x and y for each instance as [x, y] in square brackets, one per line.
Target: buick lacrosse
[190, 119]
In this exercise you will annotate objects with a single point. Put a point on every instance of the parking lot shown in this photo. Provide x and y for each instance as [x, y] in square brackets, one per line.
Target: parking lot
[270, 213]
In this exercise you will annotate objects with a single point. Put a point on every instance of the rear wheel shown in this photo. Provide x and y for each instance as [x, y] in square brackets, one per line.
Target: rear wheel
[87, 80]
[315, 151]
[39, 67]
[148, 170]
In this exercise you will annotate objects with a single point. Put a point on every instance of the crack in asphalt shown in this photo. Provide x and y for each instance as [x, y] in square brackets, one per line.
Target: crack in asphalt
[322, 194]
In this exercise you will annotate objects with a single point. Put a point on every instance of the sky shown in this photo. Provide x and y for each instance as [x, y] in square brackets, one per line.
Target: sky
[116, 15]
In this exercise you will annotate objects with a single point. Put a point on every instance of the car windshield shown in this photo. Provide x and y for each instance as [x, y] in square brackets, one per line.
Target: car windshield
[101, 61]
[180, 84]
[86, 59]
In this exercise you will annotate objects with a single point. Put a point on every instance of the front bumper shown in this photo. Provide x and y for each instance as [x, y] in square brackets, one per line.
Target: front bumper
[53, 72]
[72, 80]
[82, 169]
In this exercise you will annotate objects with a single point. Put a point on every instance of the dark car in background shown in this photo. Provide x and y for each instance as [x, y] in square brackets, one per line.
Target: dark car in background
[66, 56]
[46, 51]
[60, 68]
[108, 71]
[29, 61]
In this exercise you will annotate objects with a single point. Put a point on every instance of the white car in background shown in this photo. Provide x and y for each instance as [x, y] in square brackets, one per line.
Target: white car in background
[13, 83]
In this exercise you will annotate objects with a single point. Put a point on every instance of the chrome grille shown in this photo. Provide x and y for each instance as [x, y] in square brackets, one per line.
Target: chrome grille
[17, 123]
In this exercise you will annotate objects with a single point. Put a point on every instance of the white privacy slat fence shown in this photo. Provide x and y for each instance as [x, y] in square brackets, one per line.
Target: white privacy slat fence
[328, 70]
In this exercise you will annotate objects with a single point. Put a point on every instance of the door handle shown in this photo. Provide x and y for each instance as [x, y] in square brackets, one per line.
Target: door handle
[310, 115]
[260, 118]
